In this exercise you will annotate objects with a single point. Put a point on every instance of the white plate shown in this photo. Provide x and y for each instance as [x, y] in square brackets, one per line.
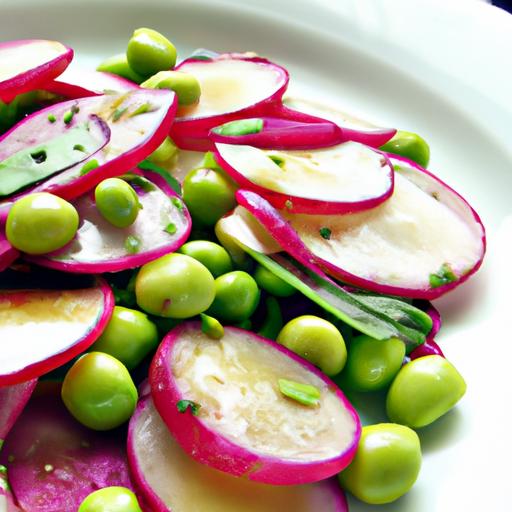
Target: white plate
[436, 67]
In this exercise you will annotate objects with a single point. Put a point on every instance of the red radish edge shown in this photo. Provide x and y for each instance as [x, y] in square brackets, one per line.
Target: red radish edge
[8, 254]
[430, 347]
[12, 402]
[36, 77]
[210, 448]
[303, 204]
[129, 261]
[50, 363]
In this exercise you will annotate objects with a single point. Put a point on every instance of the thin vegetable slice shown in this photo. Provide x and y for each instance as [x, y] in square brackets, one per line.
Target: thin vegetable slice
[233, 86]
[424, 241]
[12, 401]
[54, 462]
[344, 178]
[42, 328]
[7, 503]
[28, 64]
[8, 254]
[170, 480]
[162, 226]
[242, 423]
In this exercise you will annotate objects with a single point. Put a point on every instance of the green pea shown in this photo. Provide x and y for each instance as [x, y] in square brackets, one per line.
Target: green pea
[208, 195]
[410, 145]
[316, 340]
[213, 256]
[41, 223]
[165, 152]
[175, 286]
[185, 85]
[129, 336]
[149, 52]
[386, 464]
[236, 297]
[272, 283]
[118, 65]
[372, 364]
[110, 499]
[424, 390]
[117, 202]
[99, 392]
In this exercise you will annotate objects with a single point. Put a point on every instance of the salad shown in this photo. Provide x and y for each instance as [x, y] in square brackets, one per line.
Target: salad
[197, 274]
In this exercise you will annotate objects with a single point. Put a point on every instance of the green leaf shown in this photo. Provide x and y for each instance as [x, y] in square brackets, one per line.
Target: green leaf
[147, 165]
[184, 405]
[305, 394]
[325, 233]
[240, 127]
[132, 244]
[443, 276]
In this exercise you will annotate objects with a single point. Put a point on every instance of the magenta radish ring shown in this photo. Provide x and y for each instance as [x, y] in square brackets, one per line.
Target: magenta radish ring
[12, 401]
[231, 432]
[170, 480]
[43, 329]
[344, 178]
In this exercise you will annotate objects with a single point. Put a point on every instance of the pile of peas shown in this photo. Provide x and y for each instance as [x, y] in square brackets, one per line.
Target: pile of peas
[225, 287]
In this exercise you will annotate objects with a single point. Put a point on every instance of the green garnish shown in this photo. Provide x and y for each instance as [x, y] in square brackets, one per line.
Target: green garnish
[52, 118]
[142, 109]
[68, 117]
[278, 160]
[132, 244]
[147, 165]
[80, 147]
[325, 233]
[170, 228]
[240, 127]
[118, 112]
[3, 470]
[288, 204]
[140, 181]
[177, 203]
[443, 276]
[305, 394]
[89, 166]
[183, 405]
[211, 327]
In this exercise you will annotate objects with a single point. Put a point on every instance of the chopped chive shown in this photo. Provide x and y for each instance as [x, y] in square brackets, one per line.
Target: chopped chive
[52, 118]
[89, 166]
[79, 147]
[142, 109]
[325, 233]
[118, 112]
[278, 160]
[177, 203]
[3, 469]
[183, 405]
[211, 327]
[302, 393]
[171, 228]
[132, 244]
[68, 116]
[240, 127]
[443, 276]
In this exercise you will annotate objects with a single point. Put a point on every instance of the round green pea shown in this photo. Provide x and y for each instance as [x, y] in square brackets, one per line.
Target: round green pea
[424, 390]
[129, 337]
[316, 340]
[372, 364]
[118, 65]
[99, 392]
[236, 297]
[175, 286]
[149, 52]
[213, 256]
[209, 195]
[110, 499]
[271, 283]
[386, 464]
[410, 145]
[185, 85]
[41, 223]
[164, 152]
[117, 202]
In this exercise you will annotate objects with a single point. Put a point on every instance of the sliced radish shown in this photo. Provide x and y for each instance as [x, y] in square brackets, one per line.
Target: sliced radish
[12, 401]
[139, 121]
[354, 128]
[162, 226]
[276, 133]
[422, 242]
[26, 65]
[245, 426]
[41, 145]
[8, 254]
[7, 503]
[78, 83]
[44, 328]
[430, 347]
[344, 178]
[171, 480]
[232, 87]
[54, 462]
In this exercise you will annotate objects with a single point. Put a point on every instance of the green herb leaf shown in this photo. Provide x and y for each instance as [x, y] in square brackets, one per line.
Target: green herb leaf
[305, 394]
[240, 127]
[118, 112]
[278, 160]
[147, 165]
[325, 233]
[132, 244]
[183, 405]
[443, 276]
[211, 327]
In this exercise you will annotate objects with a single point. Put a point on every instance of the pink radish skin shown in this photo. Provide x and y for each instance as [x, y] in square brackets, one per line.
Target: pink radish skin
[54, 462]
[25, 363]
[285, 134]
[192, 133]
[42, 71]
[75, 256]
[212, 448]
[12, 401]
[430, 347]
[8, 254]
[7, 503]
[149, 440]
[301, 204]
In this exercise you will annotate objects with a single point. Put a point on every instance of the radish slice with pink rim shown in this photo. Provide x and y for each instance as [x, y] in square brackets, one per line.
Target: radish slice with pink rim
[26, 65]
[345, 178]
[245, 426]
[8, 254]
[54, 462]
[162, 226]
[425, 240]
[233, 86]
[12, 401]
[44, 328]
[430, 347]
[170, 480]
